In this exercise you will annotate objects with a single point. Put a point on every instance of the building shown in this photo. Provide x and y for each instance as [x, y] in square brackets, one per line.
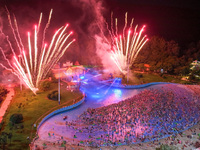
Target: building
[69, 72]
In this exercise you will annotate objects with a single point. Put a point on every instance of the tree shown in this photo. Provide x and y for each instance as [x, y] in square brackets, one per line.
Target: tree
[182, 70]
[194, 74]
[160, 54]
[16, 118]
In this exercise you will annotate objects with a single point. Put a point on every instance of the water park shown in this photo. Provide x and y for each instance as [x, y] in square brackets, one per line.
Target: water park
[129, 92]
[111, 114]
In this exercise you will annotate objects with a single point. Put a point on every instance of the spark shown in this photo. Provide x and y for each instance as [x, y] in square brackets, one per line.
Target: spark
[125, 47]
[33, 65]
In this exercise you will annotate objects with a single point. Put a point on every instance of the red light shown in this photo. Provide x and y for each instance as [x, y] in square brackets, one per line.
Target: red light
[56, 32]
[74, 39]
[71, 32]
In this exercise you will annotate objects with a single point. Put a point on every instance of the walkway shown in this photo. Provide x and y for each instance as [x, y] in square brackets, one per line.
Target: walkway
[6, 102]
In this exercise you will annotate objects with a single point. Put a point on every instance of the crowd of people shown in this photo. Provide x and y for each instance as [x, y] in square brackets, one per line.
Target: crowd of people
[151, 115]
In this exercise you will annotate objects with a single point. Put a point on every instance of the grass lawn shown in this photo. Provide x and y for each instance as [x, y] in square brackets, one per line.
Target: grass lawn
[33, 108]
[148, 77]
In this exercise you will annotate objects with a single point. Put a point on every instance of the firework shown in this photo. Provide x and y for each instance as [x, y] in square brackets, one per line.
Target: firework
[125, 48]
[33, 65]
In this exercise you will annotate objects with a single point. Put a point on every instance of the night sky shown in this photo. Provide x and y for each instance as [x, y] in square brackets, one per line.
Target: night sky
[172, 19]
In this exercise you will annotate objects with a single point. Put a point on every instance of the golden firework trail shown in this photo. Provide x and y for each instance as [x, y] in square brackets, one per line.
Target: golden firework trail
[33, 65]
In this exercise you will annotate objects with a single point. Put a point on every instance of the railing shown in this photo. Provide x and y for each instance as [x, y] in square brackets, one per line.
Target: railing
[137, 86]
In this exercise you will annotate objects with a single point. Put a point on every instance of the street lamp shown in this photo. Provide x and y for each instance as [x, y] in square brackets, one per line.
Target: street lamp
[59, 85]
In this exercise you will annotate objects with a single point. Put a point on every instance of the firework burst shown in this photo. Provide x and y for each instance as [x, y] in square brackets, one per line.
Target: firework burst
[33, 65]
[125, 47]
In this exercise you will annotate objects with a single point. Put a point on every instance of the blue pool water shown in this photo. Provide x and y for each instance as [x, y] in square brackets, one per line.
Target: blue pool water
[97, 95]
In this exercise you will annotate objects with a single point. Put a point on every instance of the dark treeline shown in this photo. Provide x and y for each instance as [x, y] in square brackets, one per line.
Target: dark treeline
[168, 55]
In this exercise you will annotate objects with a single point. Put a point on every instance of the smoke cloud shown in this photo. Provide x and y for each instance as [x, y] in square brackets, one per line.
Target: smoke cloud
[87, 25]
[94, 11]
[103, 51]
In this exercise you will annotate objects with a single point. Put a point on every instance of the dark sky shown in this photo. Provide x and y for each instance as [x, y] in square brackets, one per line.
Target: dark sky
[172, 19]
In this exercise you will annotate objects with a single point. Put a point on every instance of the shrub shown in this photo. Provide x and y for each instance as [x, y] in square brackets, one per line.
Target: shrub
[16, 118]
[139, 75]
[53, 95]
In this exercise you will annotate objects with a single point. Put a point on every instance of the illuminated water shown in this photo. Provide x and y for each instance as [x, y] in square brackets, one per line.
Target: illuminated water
[97, 95]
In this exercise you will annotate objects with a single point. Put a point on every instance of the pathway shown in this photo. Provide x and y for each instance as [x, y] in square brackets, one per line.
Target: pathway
[6, 102]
